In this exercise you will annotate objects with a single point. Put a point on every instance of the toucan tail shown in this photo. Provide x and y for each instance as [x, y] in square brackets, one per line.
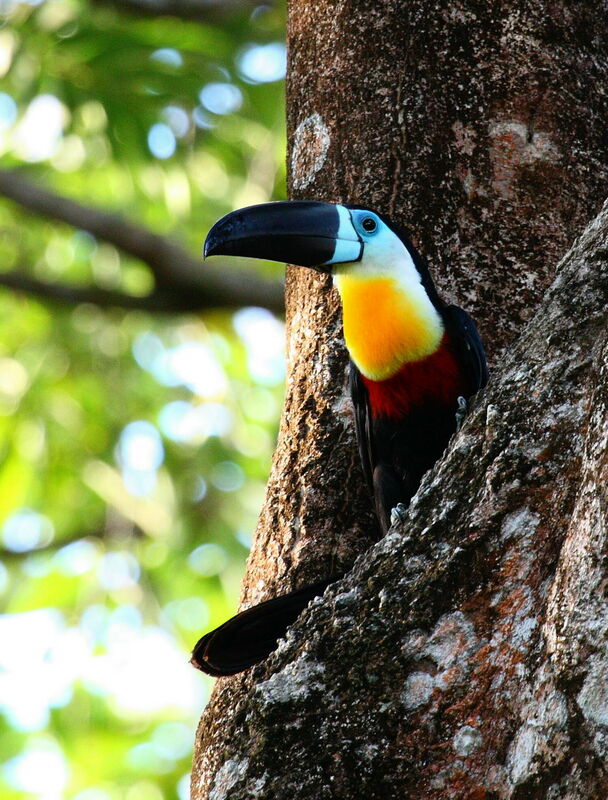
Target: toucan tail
[253, 634]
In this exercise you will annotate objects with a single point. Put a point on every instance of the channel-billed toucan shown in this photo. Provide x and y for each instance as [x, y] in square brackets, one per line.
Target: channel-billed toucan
[413, 362]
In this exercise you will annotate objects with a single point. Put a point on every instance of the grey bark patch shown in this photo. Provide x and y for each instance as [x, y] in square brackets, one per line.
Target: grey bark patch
[311, 142]
[227, 777]
[466, 740]
[593, 697]
[293, 683]
[418, 689]
[451, 641]
[521, 522]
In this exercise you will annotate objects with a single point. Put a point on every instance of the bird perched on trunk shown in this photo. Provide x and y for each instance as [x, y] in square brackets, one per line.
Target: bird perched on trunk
[414, 362]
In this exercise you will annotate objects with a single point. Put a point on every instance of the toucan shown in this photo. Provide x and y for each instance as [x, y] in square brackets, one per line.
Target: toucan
[414, 363]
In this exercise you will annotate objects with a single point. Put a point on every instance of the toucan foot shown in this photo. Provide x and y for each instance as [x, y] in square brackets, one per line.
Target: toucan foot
[461, 413]
[398, 514]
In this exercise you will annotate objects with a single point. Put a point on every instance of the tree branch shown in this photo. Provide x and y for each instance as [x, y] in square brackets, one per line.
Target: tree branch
[182, 282]
[104, 534]
[156, 301]
[206, 11]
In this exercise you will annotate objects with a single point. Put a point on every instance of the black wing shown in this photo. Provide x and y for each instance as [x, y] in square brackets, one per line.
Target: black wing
[378, 439]
[469, 348]
[252, 635]
[363, 424]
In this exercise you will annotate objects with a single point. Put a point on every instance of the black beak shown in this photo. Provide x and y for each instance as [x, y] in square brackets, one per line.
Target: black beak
[308, 234]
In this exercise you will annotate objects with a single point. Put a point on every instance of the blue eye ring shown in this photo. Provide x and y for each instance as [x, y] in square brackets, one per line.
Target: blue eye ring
[369, 224]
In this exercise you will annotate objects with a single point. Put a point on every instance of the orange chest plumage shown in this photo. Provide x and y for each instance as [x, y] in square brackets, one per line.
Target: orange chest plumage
[436, 379]
[386, 324]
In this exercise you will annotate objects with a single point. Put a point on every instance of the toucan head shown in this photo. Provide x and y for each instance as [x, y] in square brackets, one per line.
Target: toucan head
[328, 237]
[391, 312]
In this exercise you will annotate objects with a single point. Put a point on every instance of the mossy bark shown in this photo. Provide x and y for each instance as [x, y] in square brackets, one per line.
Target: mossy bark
[459, 658]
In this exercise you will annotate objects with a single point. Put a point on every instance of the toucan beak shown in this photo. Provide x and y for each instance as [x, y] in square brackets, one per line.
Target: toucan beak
[308, 234]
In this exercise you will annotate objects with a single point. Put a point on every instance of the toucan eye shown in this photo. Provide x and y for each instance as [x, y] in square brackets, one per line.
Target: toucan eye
[369, 224]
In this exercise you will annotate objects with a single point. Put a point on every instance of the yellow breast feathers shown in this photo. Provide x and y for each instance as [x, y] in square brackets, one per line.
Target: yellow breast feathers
[386, 324]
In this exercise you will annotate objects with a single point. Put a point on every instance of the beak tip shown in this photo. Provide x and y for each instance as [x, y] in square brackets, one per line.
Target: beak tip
[209, 247]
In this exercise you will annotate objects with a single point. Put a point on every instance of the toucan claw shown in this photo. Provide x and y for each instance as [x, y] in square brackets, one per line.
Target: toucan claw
[461, 413]
[398, 513]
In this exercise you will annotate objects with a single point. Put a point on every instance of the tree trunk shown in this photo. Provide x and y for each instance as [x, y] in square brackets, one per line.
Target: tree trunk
[463, 656]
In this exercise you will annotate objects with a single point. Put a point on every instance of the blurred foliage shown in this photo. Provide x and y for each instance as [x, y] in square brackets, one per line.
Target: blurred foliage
[134, 449]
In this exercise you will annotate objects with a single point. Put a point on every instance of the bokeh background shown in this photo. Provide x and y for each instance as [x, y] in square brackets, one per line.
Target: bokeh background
[134, 444]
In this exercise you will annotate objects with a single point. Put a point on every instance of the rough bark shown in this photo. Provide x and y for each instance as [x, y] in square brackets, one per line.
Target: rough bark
[481, 128]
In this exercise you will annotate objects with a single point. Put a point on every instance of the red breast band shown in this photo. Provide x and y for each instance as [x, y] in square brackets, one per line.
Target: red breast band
[436, 378]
